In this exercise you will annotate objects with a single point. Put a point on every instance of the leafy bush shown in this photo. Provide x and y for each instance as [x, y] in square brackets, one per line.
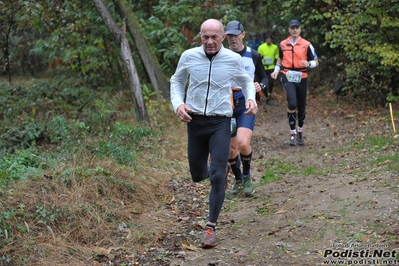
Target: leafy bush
[62, 120]
[121, 154]
[123, 143]
[19, 166]
[364, 32]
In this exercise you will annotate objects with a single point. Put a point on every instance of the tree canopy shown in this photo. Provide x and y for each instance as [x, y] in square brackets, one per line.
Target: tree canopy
[353, 37]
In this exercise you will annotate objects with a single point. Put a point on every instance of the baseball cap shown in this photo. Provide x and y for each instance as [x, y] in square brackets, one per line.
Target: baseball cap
[234, 27]
[293, 23]
[268, 36]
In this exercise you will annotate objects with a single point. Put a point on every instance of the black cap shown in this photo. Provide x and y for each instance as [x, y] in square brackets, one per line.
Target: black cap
[293, 23]
[268, 36]
[255, 34]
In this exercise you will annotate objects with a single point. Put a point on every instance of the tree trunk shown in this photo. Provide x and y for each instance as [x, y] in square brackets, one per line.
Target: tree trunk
[121, 40]
[149, 60]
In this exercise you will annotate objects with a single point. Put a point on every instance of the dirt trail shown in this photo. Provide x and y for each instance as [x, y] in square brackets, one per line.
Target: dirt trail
[321, 196]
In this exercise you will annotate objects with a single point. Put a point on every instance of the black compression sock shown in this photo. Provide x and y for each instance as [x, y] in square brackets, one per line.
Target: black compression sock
[236, 167]
[292, 120]
[246, 163]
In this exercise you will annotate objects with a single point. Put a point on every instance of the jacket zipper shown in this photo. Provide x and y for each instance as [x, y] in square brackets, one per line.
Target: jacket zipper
[209, 85]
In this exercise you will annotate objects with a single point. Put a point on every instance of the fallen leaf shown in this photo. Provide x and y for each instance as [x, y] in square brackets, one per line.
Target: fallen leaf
[365, 238]
[189, 247]
[185, 218]
[281, 211]
[172, 200]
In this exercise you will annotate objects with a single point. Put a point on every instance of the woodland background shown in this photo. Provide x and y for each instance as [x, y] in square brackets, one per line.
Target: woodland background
[70, 125]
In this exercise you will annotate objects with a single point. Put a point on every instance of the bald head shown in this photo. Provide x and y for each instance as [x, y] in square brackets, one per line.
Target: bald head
[212, 24]
[212, 35]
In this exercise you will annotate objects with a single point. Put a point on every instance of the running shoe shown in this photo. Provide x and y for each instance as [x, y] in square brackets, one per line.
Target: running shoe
[238, 186]
[292, 139]
[248, 187]
[209, 239]
[299, 138]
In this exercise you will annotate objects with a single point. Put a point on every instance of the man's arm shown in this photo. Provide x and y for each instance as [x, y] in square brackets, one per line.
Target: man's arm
[276, 69]
[178, 82]
[312, 57]
[260, 72]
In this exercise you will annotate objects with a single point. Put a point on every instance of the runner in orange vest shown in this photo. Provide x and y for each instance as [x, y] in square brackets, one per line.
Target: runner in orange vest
[297, 55]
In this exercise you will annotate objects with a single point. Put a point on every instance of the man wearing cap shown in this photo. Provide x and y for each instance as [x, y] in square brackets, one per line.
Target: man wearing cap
[269, 52]
[255, 41]
[297, 55]
[243, 125]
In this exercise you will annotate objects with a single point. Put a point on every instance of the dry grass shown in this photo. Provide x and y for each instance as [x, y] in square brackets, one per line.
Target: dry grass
[96, 209]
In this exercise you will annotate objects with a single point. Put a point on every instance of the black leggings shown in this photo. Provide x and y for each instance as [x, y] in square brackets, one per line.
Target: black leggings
[271, 81]
[209, 136]
[296, 96]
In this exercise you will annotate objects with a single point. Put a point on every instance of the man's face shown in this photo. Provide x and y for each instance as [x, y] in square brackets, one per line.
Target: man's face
[295, 31]
[236, 41]
[212, 37]
[269, 40]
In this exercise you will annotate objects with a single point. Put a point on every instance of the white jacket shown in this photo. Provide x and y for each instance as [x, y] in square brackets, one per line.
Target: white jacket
[209, 87]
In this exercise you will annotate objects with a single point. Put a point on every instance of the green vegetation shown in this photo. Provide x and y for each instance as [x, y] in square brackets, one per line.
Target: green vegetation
[381, 147]
[277, 168]
[380, 150]
[70, 154]
[54, 120]
[354, 39]
[264, 208]
[75, 165]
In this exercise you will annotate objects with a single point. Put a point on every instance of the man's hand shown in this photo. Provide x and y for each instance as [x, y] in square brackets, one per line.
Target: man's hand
[182, 113]
[258, 88]
[251, 107]
[273, 75]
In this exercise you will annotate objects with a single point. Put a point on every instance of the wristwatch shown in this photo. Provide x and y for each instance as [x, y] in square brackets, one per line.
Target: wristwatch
[263, 86]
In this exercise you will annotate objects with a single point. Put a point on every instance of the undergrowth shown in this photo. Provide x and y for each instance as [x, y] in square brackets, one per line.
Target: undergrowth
[73, 171]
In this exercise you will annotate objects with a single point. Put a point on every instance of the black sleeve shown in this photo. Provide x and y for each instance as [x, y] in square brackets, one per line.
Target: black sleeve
[260, 74]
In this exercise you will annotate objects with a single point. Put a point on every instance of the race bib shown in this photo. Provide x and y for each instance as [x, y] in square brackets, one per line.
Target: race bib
[294, 76]
[267, 61]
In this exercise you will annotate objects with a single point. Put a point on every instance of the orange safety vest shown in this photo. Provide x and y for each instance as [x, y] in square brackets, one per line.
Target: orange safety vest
[292, 55]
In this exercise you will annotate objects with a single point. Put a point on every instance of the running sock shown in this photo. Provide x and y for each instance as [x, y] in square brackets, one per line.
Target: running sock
[292, 119]
[213, 225]
[299, 129]
[246, 163]
[293, 132]
[301, 118]
[236, 167]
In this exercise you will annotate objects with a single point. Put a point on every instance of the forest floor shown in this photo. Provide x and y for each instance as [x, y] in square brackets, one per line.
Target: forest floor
[331, 201]
[336, 197]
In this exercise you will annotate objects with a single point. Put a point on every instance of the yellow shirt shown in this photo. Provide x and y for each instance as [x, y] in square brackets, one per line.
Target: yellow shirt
[269, 53]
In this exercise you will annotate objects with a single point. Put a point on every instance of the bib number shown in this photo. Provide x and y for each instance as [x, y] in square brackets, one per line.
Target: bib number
[294, 76]
[267, 61]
